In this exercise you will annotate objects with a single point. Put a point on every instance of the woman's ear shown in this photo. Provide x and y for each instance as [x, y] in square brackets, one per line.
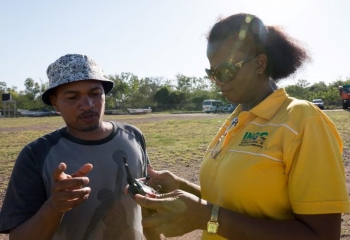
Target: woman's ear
[261, 63]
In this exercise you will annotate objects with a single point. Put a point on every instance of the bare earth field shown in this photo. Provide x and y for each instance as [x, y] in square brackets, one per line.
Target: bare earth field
[191, 171]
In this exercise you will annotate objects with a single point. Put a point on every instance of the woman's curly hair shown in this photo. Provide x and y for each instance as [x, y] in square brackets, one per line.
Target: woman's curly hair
[285, 54]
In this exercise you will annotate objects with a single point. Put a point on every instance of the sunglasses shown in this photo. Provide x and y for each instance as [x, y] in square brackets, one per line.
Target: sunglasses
[226, 72]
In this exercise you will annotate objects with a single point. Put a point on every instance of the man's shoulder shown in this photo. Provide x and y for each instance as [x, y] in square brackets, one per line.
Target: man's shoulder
[37, 150]
[130, 129]
[48, 139]
[126, 127]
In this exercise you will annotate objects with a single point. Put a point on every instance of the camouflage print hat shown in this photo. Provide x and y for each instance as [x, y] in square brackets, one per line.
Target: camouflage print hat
[72, 68]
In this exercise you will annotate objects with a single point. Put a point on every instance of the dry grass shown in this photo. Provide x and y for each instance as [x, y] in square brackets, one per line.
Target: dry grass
[174, 142]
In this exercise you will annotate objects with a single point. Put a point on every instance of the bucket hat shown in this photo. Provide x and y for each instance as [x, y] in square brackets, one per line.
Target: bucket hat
[72, 68]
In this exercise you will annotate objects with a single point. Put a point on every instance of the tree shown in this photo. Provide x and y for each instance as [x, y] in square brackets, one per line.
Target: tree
[161, 97]
[3, 87]
[319, 87]
[185, 93]
[175, 98]
[32, 99]
[299, 90]
[32, 88]
[184, 83]
[116, 95]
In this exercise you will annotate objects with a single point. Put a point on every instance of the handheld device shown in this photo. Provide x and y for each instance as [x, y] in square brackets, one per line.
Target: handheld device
[136, 186]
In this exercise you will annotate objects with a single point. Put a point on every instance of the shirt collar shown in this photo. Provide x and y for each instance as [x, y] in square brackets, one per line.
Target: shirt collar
[268, 107]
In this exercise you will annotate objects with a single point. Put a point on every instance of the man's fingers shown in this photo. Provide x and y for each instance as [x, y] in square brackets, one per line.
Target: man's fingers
[70, 183]
[83, 171]
[58, 173]
[66, 200]
[69, 195]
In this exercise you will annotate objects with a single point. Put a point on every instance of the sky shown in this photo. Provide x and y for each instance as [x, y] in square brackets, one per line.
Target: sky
[160, 38]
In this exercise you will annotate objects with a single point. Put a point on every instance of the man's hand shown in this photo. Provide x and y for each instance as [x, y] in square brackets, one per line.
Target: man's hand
[68, 190]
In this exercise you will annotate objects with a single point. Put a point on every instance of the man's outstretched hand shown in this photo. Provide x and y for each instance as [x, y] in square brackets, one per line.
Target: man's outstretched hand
[70, 191]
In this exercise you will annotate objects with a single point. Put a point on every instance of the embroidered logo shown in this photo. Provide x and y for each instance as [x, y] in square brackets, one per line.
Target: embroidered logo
[254, 139]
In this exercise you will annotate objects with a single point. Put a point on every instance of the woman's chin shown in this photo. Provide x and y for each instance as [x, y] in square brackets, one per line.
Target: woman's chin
[227, 94]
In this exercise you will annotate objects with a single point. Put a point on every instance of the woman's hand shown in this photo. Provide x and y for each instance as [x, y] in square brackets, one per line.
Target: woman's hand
[178, 212]
[163, 181]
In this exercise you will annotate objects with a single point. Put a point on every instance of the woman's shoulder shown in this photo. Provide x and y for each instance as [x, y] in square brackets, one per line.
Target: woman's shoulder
[302, 111]
[302, 106]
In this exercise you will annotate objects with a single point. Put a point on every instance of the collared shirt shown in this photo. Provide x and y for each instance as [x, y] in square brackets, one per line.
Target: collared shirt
[284, 156]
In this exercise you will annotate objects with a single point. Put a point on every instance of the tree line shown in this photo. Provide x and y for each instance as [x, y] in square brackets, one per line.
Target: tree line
[183, 93]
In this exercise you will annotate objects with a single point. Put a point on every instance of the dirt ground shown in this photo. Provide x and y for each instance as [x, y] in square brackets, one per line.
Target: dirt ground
[191, 173]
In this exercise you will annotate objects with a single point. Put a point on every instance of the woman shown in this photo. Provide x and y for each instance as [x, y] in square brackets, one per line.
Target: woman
[274, 170]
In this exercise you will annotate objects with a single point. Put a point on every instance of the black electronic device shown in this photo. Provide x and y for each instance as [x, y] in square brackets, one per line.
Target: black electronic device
[137, 186]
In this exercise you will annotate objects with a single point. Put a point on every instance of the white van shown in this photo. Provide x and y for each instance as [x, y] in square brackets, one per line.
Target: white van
[212, 105]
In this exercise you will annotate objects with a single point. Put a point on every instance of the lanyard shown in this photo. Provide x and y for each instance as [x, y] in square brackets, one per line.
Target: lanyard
[216, 149]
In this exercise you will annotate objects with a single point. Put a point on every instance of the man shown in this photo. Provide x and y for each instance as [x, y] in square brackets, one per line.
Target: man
[69, 183]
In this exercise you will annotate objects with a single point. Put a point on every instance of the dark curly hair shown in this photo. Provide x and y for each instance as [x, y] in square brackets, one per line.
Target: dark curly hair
[285, 54]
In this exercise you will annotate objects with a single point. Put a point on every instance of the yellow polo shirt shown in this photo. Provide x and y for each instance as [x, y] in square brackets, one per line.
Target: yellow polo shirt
[284, 156]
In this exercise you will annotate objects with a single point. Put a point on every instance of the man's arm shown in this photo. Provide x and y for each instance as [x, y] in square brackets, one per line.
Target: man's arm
[41, 226]
[67, 193]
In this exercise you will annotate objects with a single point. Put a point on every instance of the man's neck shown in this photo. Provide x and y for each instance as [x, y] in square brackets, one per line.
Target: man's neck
[102, 131]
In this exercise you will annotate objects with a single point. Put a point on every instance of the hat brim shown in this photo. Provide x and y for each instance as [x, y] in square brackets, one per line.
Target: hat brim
[107, 86]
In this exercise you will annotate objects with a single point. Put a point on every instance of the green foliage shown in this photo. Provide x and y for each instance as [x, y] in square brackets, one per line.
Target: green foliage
[328, 93]
[182, 93]
[3, 87]
[33, 89]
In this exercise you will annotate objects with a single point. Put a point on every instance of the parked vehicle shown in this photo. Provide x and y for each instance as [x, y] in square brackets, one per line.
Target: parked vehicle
[139, 110]
[344, 92]
[212, 105]
[319, 103]
[229, 108]
[43, 113]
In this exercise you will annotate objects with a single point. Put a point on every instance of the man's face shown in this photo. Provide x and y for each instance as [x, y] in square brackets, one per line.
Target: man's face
[81, 105]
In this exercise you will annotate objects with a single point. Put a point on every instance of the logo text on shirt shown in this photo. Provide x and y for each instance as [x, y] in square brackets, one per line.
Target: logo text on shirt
[254, 139]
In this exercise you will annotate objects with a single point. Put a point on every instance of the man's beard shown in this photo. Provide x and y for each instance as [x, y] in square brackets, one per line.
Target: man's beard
[90, 128]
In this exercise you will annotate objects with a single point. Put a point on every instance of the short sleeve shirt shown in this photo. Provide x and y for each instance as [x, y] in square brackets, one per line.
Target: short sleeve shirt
[284, 156]
[107, 213]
